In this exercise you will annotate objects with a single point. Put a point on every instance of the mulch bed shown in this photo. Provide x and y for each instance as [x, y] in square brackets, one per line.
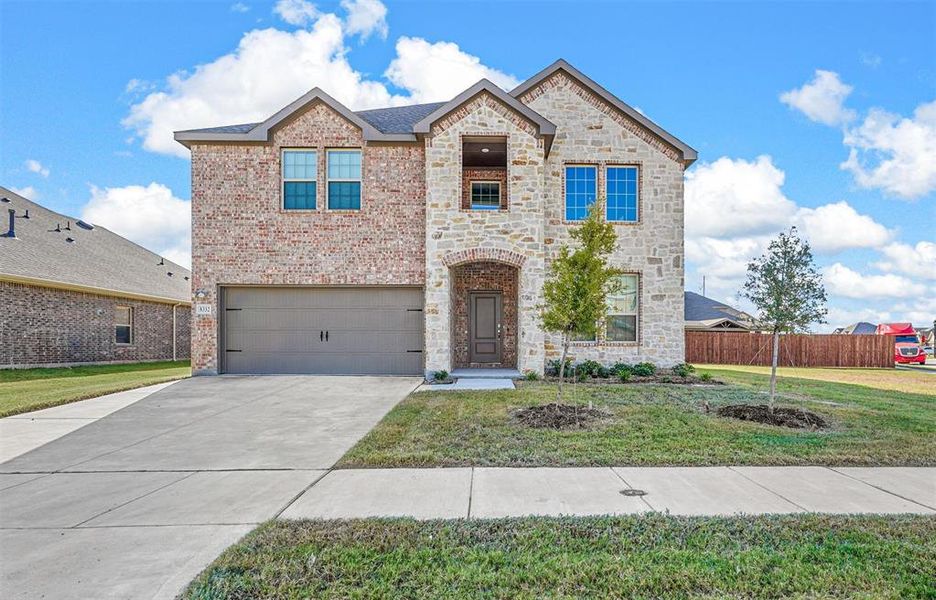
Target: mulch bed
[659, 378]
[559, 416]
[795, 418]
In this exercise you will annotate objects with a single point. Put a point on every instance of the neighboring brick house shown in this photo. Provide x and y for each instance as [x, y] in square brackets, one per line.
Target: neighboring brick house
[417, 238]
[75, 293]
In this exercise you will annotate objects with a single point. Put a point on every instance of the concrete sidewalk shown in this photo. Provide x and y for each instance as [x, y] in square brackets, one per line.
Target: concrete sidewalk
[514, 492]
[21, 433]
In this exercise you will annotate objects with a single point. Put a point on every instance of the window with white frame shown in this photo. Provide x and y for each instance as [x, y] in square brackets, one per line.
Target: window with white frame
[623, 310]
[580, 188]
[300, 172]
[123, 324]
[621, 191]
[344, 179]
[485, 195]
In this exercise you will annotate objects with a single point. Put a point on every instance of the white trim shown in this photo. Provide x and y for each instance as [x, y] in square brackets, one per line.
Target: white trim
[635, 314]
[116, 324]
[500, 197]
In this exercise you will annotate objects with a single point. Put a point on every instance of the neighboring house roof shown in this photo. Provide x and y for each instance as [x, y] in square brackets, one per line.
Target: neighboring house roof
[859, 328]
[96, 260]
[705, 313]
[402, 123]
[689, 154]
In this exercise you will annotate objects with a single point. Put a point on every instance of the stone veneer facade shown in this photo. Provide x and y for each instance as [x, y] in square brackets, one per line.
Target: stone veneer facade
[53, 327]
[414, 229]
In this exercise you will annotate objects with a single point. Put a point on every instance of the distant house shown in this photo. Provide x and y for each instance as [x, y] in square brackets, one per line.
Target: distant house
[75, 293]
[706, 314]
[859, 328]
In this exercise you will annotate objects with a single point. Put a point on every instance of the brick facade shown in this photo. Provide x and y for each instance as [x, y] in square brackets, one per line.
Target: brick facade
[484, 277]
[44, 326]
[240, 234]
[413, 227]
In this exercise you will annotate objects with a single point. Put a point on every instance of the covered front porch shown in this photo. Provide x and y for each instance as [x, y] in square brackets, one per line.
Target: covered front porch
[484, 315]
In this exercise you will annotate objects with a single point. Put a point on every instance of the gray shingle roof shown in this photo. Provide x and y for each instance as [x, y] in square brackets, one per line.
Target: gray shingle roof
[700, 308]
[242, 128]
[95, 258]
[398, 119]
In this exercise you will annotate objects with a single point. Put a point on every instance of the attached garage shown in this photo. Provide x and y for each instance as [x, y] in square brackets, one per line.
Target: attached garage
[322, 330]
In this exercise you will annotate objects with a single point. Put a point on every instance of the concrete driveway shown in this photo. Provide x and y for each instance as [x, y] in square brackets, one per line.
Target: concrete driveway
[137, 503]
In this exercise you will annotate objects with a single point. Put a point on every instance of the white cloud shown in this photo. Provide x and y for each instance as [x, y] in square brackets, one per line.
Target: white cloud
[28, 192]
[150, 216]
[832, 228]
[821, 99]
[893, 153]
[843, 281]
[366, 17]
[239, 7]
[870, 59]
[270, 68]
[296, 12]
[434, 72]
[916, 261]
[34, 166]
[731, 197]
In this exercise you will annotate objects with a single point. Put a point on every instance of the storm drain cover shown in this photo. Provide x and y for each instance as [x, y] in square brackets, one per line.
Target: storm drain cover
[633, 492]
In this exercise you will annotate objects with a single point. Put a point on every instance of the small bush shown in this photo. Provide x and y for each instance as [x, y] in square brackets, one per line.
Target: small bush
[705, 376]
[644, 369]
[604, 372]
[440, 375]
[552, 367]
[531, 375]
[624, 375]
[589, 367]
[581, 372]
[618, 368]
[683, 370]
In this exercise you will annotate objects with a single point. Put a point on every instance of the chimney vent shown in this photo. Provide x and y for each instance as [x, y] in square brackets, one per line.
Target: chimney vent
[12, 232]
[26, 216]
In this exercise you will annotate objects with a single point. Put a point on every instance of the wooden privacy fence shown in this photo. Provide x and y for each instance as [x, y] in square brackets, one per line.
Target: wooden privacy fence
[796, 350]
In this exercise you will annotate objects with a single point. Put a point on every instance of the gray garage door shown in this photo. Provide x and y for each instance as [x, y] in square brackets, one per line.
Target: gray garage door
[322, 330]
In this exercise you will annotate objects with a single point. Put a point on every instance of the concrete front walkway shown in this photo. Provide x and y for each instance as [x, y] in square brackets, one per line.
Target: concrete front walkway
[135, 504]
[515, 492]
[21, 433]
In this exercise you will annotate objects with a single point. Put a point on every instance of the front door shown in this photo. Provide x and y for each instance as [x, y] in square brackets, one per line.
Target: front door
[484, 326]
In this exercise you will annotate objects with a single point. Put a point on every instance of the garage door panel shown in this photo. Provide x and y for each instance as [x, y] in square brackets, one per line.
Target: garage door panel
[278, 330]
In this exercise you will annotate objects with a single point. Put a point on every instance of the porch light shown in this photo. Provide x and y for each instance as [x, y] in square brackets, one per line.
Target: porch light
[485, 150]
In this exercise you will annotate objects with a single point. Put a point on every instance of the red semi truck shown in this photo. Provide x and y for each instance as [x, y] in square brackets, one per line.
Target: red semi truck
[907, 348]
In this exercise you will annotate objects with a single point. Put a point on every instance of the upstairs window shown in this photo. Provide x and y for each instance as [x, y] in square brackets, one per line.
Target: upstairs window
[621, 184]
[485, 195]
[580, 186]
[623, 310]
[123, 324]
[300, 171]
[344, 179]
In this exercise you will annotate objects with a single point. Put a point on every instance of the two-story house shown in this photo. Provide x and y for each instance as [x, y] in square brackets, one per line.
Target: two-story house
[413, 239]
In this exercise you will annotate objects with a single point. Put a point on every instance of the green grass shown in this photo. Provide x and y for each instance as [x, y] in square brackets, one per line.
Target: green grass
[654, 556]
[24, 390]
[655, 425]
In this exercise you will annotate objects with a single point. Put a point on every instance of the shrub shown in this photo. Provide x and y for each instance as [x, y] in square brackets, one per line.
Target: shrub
[531, 375]
[705, 376]
[624, 375]
[644, 369]
[604, 372]
[440, 375]
[581, 371]
[552, 367]
[683, 370]
[618, 368]
[589, 367]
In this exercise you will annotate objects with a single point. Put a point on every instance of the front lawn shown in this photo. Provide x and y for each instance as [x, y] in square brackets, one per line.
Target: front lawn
[656, 425]
[24, 390]
[652, 556]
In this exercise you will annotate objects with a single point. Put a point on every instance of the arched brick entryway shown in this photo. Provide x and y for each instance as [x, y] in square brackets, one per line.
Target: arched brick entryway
[472, 282]
[495, 255]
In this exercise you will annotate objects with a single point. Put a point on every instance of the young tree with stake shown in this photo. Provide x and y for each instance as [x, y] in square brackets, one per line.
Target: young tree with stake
[787, 290]
[579, 282]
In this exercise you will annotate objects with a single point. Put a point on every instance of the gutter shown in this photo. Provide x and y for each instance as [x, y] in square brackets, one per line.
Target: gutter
[74, 287]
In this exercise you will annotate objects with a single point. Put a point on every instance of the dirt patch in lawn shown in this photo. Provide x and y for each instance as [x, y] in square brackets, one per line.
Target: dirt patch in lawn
[559, 416]
[795, 418]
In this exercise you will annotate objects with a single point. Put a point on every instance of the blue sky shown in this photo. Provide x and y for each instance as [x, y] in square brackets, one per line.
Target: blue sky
[775, 96]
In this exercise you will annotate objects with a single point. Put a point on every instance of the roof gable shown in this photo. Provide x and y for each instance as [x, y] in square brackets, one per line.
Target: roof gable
[687, 153]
